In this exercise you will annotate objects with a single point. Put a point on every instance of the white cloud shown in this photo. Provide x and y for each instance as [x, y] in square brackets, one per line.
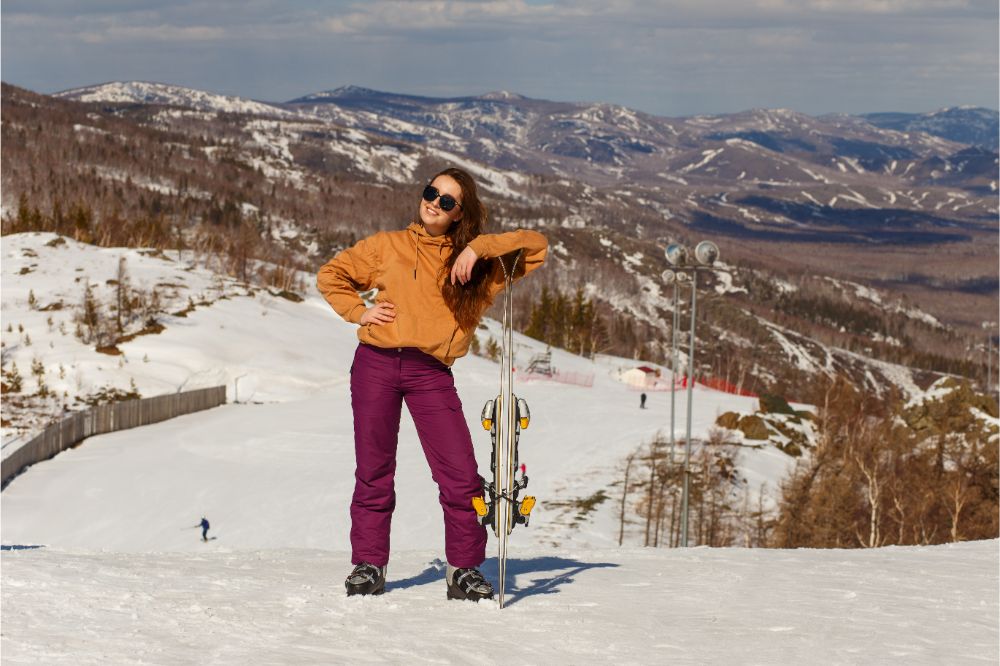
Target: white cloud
[672, 57]
[393, 15]
[156, 33]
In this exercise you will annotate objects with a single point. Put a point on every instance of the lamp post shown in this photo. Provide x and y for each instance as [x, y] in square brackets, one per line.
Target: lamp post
[670, 277]
[705, 255]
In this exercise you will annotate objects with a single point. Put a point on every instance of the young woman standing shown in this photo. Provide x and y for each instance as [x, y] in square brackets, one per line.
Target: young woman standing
[434, 279]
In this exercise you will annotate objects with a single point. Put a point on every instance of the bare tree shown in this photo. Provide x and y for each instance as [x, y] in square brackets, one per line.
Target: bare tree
[621, 517]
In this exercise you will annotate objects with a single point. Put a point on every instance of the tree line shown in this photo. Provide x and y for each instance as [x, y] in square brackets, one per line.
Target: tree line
[880, 472]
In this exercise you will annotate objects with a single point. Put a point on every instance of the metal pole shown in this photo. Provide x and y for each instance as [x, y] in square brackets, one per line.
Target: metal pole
[690, 387]
[673, 388]
[673, 371]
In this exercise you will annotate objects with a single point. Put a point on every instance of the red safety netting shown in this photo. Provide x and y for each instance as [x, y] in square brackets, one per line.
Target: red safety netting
[681, 384]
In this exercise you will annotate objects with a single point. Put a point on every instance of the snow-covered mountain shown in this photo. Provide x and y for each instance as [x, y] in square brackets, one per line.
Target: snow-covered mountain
[789, 198]
[145, 92]
[965, 124]
[603, 142]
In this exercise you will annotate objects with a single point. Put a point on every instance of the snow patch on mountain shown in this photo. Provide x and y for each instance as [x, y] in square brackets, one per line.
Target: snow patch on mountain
[143, 92]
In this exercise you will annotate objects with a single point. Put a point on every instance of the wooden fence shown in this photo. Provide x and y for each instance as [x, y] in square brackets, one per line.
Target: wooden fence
[107, 418]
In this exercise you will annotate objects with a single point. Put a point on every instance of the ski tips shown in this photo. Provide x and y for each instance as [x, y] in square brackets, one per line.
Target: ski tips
[488, 414]
[523, 413]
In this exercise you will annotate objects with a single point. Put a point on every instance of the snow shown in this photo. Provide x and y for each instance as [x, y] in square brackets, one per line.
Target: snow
[862, 291]
[159, 93]
[119, 575]
[816, 176]
[725, 281]
[858, 198]
[141, 181]
[629, 606]
[282, 172]
[293, 359]
[811, 198]
[795, 353]
[853, 163]
[707, 156]
[634, 259]
[87, 128]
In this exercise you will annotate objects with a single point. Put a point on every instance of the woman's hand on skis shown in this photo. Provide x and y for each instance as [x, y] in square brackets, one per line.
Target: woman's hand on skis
[380, 313]
[462, 270]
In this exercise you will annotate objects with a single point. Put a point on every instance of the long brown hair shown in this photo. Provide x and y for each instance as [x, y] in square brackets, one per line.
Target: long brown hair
[467, 301]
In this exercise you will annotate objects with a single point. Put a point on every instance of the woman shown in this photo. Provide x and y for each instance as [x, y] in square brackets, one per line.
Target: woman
[434, 279]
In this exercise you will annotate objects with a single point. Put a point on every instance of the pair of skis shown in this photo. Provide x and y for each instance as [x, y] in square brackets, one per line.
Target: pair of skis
[504, 417]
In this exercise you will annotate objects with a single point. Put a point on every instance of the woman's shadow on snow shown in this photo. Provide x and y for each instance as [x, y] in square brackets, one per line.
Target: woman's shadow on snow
[547, 575]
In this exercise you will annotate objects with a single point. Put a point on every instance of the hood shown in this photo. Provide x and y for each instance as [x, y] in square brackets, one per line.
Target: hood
[421, 236]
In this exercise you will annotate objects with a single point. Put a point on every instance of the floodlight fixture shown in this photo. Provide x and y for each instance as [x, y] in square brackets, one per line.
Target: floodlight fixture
[668, 276]
[676, 254]
[706, 253]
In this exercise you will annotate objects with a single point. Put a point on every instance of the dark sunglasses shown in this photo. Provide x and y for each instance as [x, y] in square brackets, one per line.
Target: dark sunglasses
[447, 201]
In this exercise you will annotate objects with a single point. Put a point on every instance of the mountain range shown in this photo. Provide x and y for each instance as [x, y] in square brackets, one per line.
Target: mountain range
[769, 174]
[879, 241]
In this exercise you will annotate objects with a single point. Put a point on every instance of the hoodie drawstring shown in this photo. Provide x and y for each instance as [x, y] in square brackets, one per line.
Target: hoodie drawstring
[416, 254]
[441, 243]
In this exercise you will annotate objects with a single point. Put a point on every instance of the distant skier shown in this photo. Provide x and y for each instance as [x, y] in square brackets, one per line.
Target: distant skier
[642, 401]
[204, 528]
[434, 279]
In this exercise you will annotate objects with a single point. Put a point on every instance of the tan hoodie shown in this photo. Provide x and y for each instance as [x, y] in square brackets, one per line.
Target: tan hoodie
[407, 268]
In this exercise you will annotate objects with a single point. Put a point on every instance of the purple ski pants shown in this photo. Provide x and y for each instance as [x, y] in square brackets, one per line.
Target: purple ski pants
[381, 379]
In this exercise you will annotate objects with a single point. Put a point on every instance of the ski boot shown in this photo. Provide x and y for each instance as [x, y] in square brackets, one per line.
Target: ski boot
[467, 584]
[366, 579]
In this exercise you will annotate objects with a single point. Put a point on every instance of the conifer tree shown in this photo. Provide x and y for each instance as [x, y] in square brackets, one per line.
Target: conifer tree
[12, 378]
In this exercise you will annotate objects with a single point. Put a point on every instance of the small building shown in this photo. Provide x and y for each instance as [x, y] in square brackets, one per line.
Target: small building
[642, 376]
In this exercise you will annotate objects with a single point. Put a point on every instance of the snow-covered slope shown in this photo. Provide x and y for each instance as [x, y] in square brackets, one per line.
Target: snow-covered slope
[967, 124]
[144, 92]
[913, 606]
[218, 331]
[100, 543]
[274, 470]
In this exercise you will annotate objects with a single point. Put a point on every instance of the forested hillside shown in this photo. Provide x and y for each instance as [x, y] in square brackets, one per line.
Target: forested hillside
[268, 193]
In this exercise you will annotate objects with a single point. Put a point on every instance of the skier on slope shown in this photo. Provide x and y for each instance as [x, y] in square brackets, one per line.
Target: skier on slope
[204, 528]
[434, 279]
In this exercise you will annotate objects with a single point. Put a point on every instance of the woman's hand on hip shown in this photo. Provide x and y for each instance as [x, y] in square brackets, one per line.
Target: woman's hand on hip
[462, 270]
[380, 313]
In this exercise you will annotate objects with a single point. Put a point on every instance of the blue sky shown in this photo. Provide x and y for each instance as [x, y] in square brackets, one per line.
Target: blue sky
[670, 57]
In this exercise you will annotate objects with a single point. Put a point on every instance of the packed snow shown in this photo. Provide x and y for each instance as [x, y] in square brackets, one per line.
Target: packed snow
[625, 606]
[102, 561]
